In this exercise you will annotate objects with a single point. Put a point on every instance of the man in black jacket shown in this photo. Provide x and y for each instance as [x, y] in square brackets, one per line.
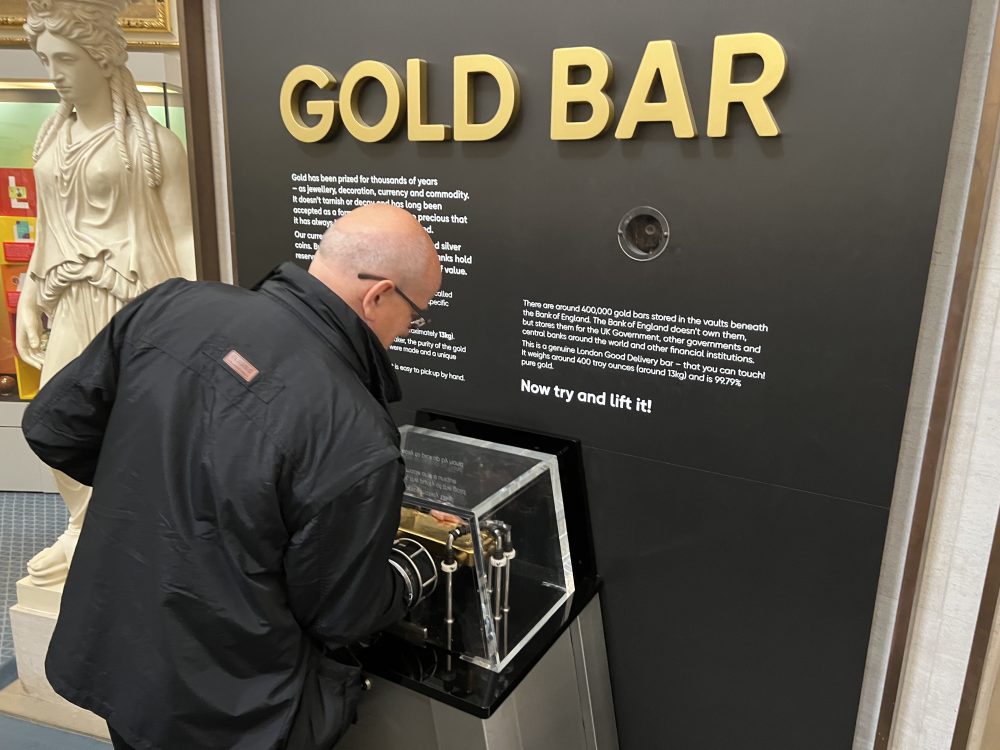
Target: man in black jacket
[247, 486]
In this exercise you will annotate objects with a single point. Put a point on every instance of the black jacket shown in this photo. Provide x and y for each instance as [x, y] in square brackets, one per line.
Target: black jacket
[243, 511]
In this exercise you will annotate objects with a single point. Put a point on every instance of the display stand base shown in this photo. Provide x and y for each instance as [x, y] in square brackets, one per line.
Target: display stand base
[31, 697]
[61, 715]
[41, 599]
[564, 702]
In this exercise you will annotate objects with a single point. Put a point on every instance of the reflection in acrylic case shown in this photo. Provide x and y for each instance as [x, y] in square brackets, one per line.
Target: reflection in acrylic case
[492, 517]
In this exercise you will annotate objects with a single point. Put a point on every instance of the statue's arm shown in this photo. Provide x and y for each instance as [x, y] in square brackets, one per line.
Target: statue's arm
[29, 324]
[64, 424]
[175, 192]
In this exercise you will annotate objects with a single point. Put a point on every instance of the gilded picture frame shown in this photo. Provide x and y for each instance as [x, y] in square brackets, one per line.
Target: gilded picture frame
[147, 24]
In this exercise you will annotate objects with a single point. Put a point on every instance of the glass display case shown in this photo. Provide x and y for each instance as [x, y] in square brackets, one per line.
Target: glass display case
[492, 517]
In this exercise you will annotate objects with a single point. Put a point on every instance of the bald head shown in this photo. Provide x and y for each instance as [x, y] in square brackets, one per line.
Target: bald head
[380, 240]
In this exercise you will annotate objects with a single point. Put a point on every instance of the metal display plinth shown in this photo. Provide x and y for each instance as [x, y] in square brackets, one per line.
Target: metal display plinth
[563, 701]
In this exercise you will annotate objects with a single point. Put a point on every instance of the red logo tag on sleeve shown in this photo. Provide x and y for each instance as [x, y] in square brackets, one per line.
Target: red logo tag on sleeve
[239, 364]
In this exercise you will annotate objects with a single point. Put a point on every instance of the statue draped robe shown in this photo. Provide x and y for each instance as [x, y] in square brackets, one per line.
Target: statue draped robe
[102, 240]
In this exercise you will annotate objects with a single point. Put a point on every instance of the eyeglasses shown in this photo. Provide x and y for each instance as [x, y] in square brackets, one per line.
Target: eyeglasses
[418, 316]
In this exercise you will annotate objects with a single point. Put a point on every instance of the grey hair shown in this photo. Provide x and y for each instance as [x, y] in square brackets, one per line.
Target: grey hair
[402, 257]
[92, 26]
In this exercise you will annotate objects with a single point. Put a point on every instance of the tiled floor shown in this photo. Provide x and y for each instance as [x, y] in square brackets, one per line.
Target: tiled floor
[29, 521]
[23, 735]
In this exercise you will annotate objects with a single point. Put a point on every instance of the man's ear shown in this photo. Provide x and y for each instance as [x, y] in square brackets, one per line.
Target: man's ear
[375, 298]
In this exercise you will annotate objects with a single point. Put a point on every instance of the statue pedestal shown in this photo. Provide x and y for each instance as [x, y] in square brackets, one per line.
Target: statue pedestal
[31, 697]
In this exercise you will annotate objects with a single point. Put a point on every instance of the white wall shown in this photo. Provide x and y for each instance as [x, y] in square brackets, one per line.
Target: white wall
[20, 469]
[937, 298]
[963, 521]
[151, 66]
[220, 152]
[985, 731]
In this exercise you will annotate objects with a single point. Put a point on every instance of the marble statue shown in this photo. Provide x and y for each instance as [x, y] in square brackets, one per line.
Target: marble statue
[114, 212]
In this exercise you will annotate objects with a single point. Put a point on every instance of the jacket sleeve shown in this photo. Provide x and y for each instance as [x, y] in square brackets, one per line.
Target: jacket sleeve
[339, 581]
[64, 424]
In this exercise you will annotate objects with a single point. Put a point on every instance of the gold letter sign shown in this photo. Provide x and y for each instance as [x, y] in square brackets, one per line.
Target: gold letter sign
[565, 94]
[350, 92]
[289, 103]
[466, 66]
[416, 105]
[659, 61]
[751, 95]
[660, 67]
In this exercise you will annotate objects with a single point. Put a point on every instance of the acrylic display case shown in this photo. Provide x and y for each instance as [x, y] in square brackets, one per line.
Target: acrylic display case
[492, 517]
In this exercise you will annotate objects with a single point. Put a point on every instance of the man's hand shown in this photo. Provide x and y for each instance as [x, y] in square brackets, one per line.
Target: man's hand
[447, 518]
[29, 326]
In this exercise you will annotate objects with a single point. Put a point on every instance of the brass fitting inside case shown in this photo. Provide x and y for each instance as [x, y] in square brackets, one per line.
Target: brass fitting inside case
[433, 534]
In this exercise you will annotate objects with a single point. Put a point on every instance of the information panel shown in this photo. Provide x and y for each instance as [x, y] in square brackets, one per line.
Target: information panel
[695, 236]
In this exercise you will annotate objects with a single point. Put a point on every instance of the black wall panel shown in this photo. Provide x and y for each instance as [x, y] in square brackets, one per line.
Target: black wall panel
[739, 529]
[739, 611]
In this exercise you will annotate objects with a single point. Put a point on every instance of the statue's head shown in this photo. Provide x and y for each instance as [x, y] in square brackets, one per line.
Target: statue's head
[79, 42]
[83, 48]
